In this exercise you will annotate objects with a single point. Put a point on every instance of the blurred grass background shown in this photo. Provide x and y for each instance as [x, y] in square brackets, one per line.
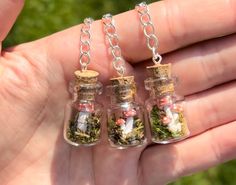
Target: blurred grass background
[43, 17]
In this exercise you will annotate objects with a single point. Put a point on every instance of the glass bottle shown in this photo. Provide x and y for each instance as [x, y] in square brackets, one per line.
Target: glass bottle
[125, 116]
[164, 107]
[83, 115]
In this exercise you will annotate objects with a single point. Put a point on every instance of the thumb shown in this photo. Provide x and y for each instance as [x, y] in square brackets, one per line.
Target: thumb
[9, 10]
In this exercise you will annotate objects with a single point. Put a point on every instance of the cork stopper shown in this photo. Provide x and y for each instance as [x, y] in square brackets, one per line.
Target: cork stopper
[86, 85]
[127, 80]
[160, 80]
[122, 89]
[159, 71]
[86, 77]
[164, 89]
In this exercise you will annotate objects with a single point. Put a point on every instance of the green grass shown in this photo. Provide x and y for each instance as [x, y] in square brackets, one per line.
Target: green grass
[223, 174]
[43, 17]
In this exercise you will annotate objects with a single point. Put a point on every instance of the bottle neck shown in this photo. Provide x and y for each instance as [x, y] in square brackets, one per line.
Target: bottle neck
[84, 96]
[154, 94]
[87, 92]
[159, 87]
[122, 93]
[122, 99]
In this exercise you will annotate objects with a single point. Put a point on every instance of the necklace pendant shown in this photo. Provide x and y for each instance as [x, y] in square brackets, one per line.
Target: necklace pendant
[125, 116]
[164, 107]
[83, 115]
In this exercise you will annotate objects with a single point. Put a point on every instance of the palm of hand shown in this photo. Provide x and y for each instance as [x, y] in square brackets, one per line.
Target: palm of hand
[34, 79]
[33, 129]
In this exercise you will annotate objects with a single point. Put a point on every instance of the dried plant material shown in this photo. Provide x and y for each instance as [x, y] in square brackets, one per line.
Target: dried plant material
[126, 131]
[164, 130]
[85, 128]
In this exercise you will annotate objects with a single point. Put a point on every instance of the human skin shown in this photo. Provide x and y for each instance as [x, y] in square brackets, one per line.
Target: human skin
[197, 37]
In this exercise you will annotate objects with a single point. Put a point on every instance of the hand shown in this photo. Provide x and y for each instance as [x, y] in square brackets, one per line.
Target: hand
[34, 80]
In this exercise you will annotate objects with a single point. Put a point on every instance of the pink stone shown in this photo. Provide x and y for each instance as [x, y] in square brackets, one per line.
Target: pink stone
[165, 101]
[166, 120]
[120, 122]
[130, 113]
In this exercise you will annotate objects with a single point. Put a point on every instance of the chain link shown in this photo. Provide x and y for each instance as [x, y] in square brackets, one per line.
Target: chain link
[85, 37]
[149, 31]
[112, 37]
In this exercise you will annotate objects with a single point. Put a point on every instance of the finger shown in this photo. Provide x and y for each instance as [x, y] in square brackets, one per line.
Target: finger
[211, 108]
[178, 23]
[201, 66]
[63, 47]
[175, 30]
[161, 164]
[9, 10]
[205, 65]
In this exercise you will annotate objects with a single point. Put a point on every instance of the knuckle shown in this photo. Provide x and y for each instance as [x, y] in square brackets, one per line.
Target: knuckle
[175, 21]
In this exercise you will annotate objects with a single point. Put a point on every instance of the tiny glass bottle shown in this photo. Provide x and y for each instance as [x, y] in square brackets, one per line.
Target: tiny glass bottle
[125, 116]
[164, 107]
[83, 115]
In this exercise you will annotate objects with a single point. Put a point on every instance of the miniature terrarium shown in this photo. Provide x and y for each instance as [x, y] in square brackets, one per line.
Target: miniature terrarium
[125, 116]
[165, 109]
[83, 114]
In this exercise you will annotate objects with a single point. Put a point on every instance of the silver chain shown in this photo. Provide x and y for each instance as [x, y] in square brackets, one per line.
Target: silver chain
[112, 37]
[85, 37]
[149, 31]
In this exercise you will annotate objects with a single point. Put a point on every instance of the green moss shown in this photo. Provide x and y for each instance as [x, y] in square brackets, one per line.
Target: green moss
[135, 137]
[160, 131]
[92, 133]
